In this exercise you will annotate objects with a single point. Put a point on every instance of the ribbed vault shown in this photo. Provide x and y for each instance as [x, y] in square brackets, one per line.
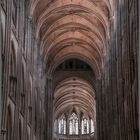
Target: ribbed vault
[74, 93]
[72, 28]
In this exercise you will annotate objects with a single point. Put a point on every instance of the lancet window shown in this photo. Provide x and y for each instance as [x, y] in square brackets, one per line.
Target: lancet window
[85, 125]
[73, 124]
[62, 125]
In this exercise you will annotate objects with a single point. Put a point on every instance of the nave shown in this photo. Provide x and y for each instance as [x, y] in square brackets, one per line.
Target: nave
[69, 69]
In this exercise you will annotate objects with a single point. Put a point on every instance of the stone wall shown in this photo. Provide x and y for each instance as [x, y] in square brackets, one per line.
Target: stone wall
[22, 74]
[0, 69]
[117, 98]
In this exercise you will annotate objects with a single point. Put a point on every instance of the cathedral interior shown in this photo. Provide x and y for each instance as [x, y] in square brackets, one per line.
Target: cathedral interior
[69, 69]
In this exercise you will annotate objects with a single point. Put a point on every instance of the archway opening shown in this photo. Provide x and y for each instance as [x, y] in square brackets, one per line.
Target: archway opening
[74, 101]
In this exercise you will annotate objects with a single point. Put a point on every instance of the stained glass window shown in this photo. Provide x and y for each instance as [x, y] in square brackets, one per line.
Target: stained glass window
[85, 125]
[73, 124]
[62, 125]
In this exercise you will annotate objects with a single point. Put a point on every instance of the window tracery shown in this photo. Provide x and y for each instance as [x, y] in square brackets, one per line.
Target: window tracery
[85, 125]
[62, 125]
[73, 124]
[92, 126]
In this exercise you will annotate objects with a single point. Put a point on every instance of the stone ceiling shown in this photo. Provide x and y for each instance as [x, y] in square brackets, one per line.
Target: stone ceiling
[73, 29]
[74, 93]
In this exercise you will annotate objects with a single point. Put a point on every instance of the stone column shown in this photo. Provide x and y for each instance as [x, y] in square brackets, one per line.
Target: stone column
[139, 67]
[0, 72]
[49, 109]
[98, 108]
[79, 126]
[89, 125]
[67, 125]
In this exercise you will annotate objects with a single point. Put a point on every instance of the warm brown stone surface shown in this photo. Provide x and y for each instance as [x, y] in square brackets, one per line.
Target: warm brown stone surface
[74, 92]
[77, 28]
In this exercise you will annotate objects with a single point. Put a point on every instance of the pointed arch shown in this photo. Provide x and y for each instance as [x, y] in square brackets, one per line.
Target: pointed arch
[73, 124]
[62, 124]
[84, 125]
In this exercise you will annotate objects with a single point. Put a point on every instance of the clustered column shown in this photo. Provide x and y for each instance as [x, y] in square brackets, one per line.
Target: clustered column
[49, 109]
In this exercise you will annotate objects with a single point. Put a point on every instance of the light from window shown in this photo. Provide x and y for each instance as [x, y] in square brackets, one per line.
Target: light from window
[92, 126]
[73, 124]
[62, 125]
[85, 125]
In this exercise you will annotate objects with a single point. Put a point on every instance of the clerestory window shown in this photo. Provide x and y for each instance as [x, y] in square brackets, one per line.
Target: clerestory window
[73, 125]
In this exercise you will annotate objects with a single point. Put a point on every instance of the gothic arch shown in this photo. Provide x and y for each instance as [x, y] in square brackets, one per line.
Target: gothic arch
[80, 30]
[73, 122]
[73, 55]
